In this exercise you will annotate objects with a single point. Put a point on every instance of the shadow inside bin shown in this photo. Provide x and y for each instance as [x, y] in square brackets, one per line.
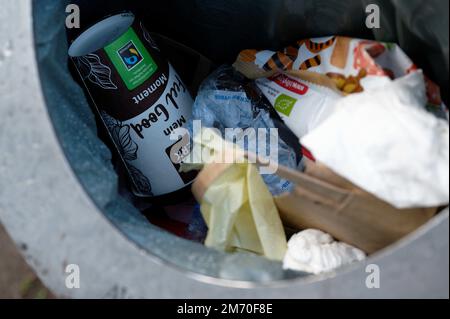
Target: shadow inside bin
[217, 29]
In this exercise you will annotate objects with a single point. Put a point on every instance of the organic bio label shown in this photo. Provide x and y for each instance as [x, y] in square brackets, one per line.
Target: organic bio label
[131, 59]
[301, 106]
[284, 104]
[284, 93]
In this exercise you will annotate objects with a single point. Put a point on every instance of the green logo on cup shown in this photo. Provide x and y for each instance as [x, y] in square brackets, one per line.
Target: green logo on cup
[130, 55]
[284, 104]
[131, 59]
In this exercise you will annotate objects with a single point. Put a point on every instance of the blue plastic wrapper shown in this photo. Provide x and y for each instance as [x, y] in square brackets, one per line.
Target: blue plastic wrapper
[227, 99]
[197, 228]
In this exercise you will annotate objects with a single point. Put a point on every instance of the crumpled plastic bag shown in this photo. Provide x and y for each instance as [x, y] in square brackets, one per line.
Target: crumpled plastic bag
[316, 252]
[386, 143]
[227, 100]
[241, 214]
[237, 206]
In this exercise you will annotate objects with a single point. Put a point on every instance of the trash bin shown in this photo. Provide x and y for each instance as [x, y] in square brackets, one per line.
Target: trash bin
[59, 191]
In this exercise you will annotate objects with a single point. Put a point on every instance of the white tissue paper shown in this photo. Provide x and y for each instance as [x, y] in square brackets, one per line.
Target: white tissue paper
[385, 142]
[316, 252]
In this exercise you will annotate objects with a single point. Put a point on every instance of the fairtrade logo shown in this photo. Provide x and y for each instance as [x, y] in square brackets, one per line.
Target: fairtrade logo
[130, 55]
[284, 104]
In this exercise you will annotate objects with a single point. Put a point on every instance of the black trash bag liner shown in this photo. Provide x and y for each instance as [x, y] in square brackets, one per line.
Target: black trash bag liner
[219, 29]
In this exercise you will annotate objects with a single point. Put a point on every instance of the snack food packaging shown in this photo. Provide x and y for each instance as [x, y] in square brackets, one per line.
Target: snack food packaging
[302, 105]
[140, 98]
[354, 64]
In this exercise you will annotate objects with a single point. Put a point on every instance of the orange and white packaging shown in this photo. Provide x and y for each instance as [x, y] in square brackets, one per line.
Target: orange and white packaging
[302, 105]
[356, 65]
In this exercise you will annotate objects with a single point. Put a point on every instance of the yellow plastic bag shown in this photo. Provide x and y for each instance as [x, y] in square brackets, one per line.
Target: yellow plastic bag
[241, 214]
[235, 202]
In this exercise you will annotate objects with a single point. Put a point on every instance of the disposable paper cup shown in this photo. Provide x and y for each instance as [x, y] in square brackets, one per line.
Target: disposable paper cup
[140, 98]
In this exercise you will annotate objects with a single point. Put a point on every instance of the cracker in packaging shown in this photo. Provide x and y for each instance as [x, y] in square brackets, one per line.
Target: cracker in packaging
[355, 65]
[301, 104]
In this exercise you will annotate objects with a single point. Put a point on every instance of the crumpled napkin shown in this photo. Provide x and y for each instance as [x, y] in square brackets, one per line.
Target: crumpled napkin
[386, 143]
[316, 252]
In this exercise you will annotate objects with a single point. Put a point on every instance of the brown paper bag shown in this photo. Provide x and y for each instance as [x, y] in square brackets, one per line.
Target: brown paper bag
[323, 200]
